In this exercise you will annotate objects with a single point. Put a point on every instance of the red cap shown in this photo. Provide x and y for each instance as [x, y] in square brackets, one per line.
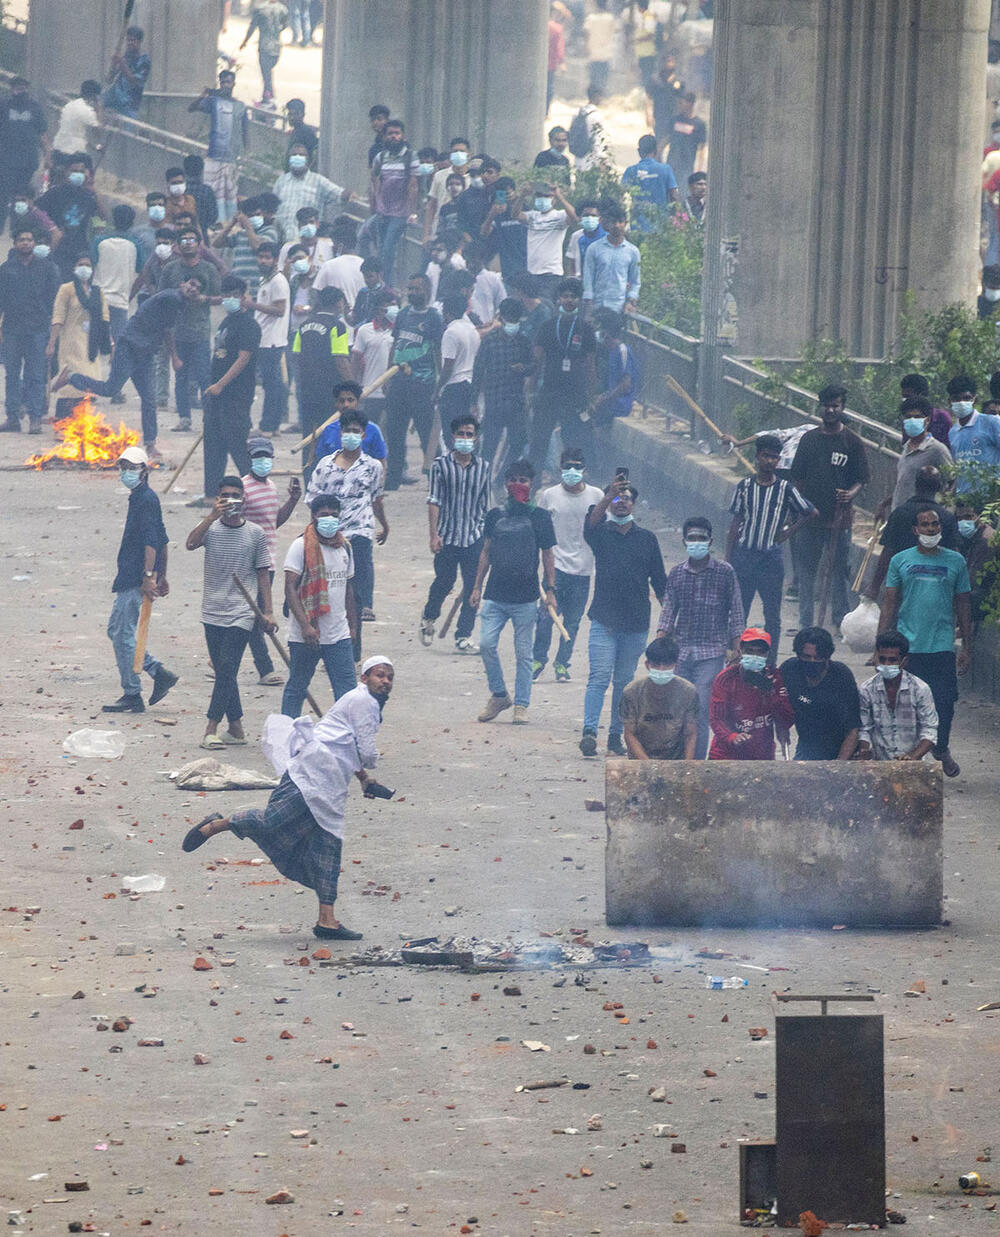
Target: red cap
[755, 633]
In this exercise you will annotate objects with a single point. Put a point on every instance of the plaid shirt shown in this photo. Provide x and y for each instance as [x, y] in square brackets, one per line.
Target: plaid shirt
[703, 609]
[891, 733]
[492, 373]
[311, 189]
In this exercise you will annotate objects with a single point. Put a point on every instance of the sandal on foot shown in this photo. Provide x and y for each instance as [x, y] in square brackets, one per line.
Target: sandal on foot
[335, 934]
[212, 743]
[194, 837]
[230, 740]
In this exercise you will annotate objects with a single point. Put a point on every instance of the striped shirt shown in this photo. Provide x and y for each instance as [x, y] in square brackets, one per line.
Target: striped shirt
[260, 507]
[231, 551]
[461, 492]
[764, 510]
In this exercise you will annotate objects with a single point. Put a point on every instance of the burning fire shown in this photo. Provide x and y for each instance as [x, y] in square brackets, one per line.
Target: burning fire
[86, 438]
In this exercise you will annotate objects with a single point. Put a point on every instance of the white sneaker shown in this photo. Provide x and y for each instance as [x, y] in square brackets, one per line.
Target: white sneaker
[466, 646]
[427, 632]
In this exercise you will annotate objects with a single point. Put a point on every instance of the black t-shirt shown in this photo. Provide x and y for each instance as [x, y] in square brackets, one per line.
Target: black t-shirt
[237, 333]
[473, 207]
[516, 532]
[825, 711]
[71, 208]
[898, 532]
[825, 463]
[551, 159]
[447, 217]
[627, 566]
[143, 527]
[22, 123]
[566, 341]
[687, 133]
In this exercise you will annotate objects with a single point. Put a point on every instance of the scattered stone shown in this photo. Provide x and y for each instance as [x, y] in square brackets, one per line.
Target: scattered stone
[299, 1133]
[680, 1217]
[200, 1058]
[121, 1024]
[78, 996]
[151, 1043]
[202, 964]
[125, 950]
[215, 1193]
[226, 961]
[512, 991]
[594, 1122]
[280, 1196]
[589, 1050]
[535, 1045]
[678, 1149]
[658, 1094]
[76, 1186]
[758, 1032]
[645, 1163]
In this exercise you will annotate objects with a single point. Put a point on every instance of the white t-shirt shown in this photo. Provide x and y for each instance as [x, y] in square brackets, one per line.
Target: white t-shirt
[343, 273]
[339, 564]
[545, 241]
[433, 273]
[600, 29]
[374, 345]
[114, 273]
[322, 252]
[76, 118]
[460, 342]
[487, 293]
[572, 554]
[274, 331]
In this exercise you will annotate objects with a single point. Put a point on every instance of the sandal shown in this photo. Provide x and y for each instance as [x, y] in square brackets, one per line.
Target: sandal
[230, 740]
[194, 837]
[212, 743]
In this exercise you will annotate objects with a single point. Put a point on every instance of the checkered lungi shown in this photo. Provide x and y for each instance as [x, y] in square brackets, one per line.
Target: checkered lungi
[222, 178]
[288, 834]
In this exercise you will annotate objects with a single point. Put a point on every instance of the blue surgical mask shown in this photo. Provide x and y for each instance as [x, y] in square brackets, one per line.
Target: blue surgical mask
[511, 328]
[20, 208]
[391, 311]
[82, 273]
[256, 222]
[913, 427]
[572, 476]
[301, 266]
[42, 251]
[459, 158]
[425, 169]
[130, 477]
[297, 162]
[660, 676]
[231, 304]
[589, 223]
[621, 519]
[696, 549]
[157, 214]
[465, 446]
[76, 178]
[307, 231]
[351, 442]
[962, 408]
[327, 525]
[889, 672]
[543, 204]
[753, 661]
[261, 466]
[967, 528]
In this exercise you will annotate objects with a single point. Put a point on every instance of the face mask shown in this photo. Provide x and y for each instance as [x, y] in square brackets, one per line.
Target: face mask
[543, 204]
[913, 427]
[572, 476]
[621, 519]
[511, 328]
[157, 214]
[20, 208]
[992, 294]
[967, 528]
[660, 676]
[297, 162]
[459, 158]
[256, 222]
[599, 336]
[41, 251]
[82, 273]
[440, 256]
[307, 231]
[589, 223]
[754, 662]
[76, 178]
[928, 540]
[327, 525]
[130, 477]
[425, 169]
[391, 311]
[465, 446]
[889, 672]
[962, 408]
[351, 442]
[177, 191]
[163, 251]
[519, 490]
[231, 304]
[696, 549]
[476, 182]
[301, 266]
[261, 466]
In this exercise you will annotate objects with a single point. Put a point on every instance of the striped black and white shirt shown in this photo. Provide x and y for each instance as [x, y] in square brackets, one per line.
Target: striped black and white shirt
[765, 510]
[461, 492]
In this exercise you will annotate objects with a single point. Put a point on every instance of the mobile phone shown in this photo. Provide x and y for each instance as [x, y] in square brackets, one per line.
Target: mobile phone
[500, 197]
[621, 474]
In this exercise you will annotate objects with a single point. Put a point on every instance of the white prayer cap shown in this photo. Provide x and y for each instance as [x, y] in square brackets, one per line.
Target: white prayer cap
[372, 662]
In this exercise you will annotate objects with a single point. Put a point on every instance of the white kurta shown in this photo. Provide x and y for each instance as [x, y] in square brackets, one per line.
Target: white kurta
[322, 757]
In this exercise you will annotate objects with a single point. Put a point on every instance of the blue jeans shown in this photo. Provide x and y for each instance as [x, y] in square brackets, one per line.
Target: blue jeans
[338, 659]
[812, 543]
[493, 617]
[700, 673]
[121, 632]
[301, 19]
[390, 230]
[275, 392]
[614, 655]
[117, 321]
[763, 572]
[24, 349]
[571, 597]
[127, 362]
[194, 375]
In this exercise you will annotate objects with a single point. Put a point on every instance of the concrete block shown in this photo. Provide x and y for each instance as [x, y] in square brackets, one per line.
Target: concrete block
[747, 844]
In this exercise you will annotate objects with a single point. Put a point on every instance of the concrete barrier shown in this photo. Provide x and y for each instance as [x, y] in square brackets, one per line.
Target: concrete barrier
[746, 844]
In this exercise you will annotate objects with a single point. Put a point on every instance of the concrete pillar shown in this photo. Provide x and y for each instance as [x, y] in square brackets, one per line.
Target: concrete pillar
[68, 42]
[845, 148]
[448, 68]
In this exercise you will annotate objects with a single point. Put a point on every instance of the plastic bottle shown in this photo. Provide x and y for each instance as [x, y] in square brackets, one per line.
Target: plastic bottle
[717, 982]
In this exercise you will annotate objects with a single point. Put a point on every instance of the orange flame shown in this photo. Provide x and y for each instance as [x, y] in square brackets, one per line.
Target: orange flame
[86, 438]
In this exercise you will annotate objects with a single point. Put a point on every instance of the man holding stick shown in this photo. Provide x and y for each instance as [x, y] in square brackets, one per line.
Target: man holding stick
[142, 575]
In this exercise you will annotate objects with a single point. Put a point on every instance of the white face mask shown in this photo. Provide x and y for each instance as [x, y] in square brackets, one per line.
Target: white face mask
[163, 251]
[82, 273]
[177, 191]
[992, 294]
[391, 311]
[928, 540]
[962, 408]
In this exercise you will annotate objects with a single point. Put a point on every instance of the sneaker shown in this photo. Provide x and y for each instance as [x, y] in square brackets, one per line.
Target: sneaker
[616, 746]
[465, 645]
[271, 679]
[368, 615]
[182, 427]
[426, 632]
[163, 680]
[125, 704]
[536, 669]
[520, 717]
[562, 672]
[495, 706]
[408, 480]
[35, 427]
[792, 592]
[10, 426]
[588, 744]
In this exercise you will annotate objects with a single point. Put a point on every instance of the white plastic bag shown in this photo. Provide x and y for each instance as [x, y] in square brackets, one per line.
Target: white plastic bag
[104, 744]
[860, 627]
[151, 882]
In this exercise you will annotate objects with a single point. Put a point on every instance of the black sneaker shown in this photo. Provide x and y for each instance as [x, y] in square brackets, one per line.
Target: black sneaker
[125, 704]
[182, 427]
[10, 426]
[536, 669]
[335, 934]
[163, 680]
[615, 745]
[34, 427]
[588, 744]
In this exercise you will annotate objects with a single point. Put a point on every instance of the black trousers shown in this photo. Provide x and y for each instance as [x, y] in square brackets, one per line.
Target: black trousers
[259, 650]
[227, 428]
[226, 646]
[408, 399]
[939, 673]
[449, 560]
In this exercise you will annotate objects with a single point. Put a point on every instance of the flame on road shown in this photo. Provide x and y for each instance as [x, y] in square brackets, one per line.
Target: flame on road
[86, 438]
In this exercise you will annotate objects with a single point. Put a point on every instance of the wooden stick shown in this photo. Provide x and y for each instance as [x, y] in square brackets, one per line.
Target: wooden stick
[180, 468]
[856, 586]
[274, 638]
[826, 574]
[391, 372]
[142, 633]
[432, 440]
[555, 616]
[451, 614]
[679, 391]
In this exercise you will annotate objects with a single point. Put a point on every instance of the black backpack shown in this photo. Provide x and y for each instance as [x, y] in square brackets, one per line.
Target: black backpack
[579, 135]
